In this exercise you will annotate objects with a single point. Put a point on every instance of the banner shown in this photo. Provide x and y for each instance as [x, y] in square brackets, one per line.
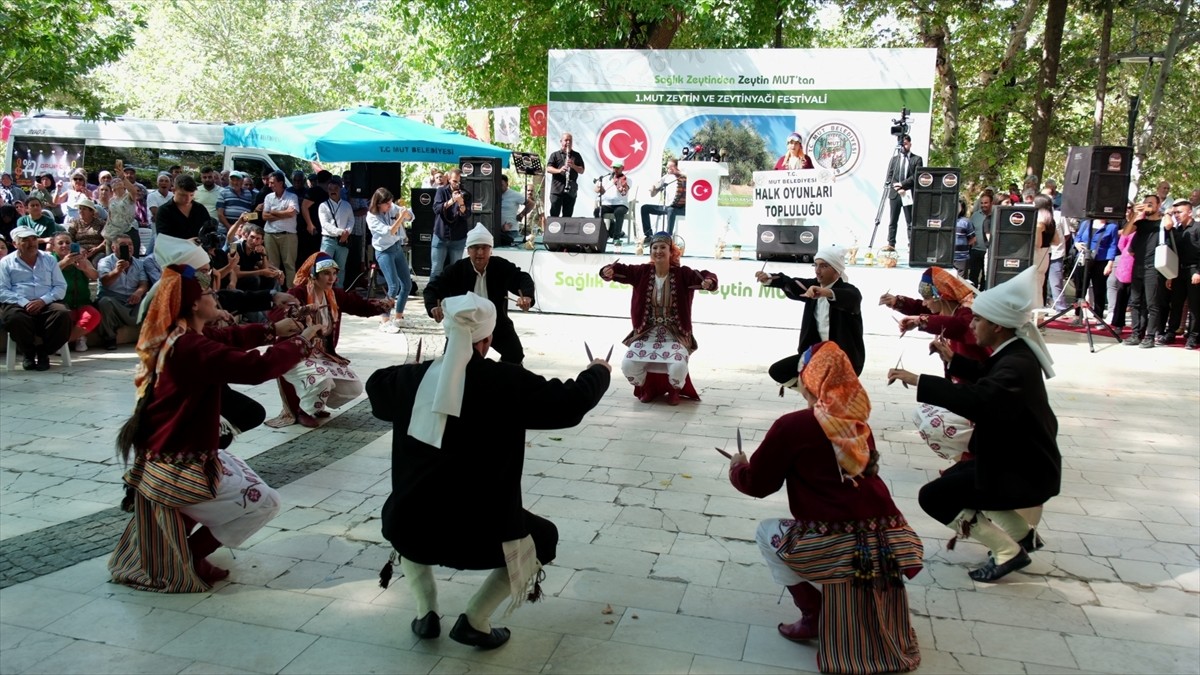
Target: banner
[477, 125]
[508, 125]
[34, 158]
[537, 120]
[803, 193]
[737, 108]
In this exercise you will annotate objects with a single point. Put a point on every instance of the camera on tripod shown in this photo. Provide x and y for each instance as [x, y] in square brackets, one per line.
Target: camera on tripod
[901, 126]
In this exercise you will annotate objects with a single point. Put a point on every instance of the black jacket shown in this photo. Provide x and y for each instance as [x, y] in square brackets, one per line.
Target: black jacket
[457, 504]
[845, 317]
[503, 277]
[1014, 443]
[897, 174]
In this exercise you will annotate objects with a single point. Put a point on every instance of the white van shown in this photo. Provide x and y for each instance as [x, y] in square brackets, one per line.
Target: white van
[57, 143]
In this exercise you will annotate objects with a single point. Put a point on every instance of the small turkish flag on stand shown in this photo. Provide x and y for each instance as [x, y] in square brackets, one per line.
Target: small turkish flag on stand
[537, 120]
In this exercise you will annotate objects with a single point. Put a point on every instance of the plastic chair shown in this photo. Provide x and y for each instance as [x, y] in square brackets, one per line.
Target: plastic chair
[10, 354]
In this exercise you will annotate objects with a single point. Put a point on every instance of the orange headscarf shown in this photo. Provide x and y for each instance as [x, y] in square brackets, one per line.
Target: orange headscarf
[304, 276]
[842, 406]
[944, 284]
[163, 324]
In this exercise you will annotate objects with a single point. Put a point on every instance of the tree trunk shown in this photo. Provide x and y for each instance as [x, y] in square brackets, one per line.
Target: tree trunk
[1102, 75]
[991, 125]
[1142, 143]
[664, 31]
[1039, 132]
[935, 36]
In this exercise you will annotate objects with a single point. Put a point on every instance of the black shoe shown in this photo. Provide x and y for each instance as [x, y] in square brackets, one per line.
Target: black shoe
[1146, 343]
[993, 572]
[465, 634]
[43, 361]
[110, 345]
[1190, 344]
[1031, 542]
[1133, 340]
[29, 364]
[1165, 339]
[428, 626]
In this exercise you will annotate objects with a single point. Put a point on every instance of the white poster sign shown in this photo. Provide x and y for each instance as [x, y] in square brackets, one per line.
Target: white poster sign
[738, 108]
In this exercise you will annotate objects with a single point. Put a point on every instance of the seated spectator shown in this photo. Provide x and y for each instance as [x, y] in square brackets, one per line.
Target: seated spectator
[323, 379]
[4, 250]
[79, 272]
[255, 273]
[123, 283]
[182, 217]
[160, 196]
[43, 191]
[8, 220]
[9, 192]
[87, 228]
[38, 219]
[31, 288]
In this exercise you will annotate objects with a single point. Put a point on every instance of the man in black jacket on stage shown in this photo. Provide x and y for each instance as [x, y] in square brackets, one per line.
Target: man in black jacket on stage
[492, 278]
[832, 311]
[1015, 463]
[902, 171]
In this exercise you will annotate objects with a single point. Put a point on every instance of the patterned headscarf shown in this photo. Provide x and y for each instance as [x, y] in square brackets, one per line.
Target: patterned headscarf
[938, 283]
[669, 240]
[842, 406]
[164, 324]
[317, 263]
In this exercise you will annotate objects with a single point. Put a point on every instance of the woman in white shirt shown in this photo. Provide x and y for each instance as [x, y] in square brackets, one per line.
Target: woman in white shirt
[387, 222]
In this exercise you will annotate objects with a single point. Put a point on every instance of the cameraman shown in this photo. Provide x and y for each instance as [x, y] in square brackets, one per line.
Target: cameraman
[123, 282]
[451, 220]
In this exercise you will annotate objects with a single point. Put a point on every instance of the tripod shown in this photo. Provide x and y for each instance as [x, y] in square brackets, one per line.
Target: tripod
[1082, 305]
[883, 198]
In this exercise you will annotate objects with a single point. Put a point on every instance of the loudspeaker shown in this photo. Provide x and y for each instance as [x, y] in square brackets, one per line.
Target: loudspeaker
[481, 177]
[1012, 242]
[422, 258]
[581, 235]
[367, 177]
[935, 198]
[421, 201]
[931, 246]
[1097, 181]
[787, 243]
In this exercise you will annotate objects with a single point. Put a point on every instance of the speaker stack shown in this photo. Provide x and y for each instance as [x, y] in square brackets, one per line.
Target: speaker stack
[367, 177]
[935, 210]
[1097, 181]
[576, 235]
[421, 234]
[787, 243]
[481, 178]
[1012, 242]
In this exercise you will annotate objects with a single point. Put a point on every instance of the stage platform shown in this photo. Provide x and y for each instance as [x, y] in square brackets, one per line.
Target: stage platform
[570, 283]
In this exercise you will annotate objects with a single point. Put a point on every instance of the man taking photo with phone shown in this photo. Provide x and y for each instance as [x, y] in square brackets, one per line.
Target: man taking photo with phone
[123, 282]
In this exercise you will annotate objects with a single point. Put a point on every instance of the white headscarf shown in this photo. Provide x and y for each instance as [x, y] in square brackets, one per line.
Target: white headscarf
[836, 257]
[467, 319]
[172, 251]
[1010, 304]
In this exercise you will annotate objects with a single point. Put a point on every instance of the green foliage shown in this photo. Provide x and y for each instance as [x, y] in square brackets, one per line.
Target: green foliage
[49, 49]
[740, 142]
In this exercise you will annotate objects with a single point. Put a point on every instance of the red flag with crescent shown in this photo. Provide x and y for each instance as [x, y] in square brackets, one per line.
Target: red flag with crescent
[537, 120]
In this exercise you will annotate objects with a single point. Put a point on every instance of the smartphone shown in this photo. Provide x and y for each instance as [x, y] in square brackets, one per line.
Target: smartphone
[75, 248]
[120, 165]
[252, 215]
[123, 252]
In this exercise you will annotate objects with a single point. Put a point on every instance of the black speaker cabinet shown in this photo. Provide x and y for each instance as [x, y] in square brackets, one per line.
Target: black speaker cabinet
[422, 258]
[787, 243]
[421, 201]
[1012, 242]
[1096, 184]
[935, 198]
[481, 177]
[579, 235]
[367, 177]
[931, 246]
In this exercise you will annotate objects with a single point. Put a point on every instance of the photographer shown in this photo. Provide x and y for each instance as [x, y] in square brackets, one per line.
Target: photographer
[123, 282]
[451, 220]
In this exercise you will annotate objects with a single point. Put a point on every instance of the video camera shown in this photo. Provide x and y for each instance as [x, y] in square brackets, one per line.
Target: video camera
[901, 126]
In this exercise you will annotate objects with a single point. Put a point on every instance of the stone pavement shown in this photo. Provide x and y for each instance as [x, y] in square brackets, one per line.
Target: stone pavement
[650, 528]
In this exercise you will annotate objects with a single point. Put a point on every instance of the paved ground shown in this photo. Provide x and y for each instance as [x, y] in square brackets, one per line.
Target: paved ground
[650, 526]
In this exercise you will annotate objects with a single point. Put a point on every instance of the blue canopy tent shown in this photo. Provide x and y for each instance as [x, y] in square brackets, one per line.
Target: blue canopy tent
[359, 135]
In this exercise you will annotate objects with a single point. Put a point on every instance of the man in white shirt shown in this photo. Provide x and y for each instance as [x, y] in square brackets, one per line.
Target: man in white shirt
[614, 198]
[513, 207]
[337, 223]
[123, 284]
[31, 286]
[209, 193]
[160, 196]
[280, 208]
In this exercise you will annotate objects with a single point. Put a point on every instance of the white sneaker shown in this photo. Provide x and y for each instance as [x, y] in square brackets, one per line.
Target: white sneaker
[392, 326]
[81, 344]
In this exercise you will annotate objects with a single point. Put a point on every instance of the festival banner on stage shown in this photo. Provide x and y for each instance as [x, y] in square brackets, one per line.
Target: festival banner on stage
[738, 107]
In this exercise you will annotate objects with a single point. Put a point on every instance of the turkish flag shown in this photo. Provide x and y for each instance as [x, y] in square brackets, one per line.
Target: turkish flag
[6, 125]
[537, 120]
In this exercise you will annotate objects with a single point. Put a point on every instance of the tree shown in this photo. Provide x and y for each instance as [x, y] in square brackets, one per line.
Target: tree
[1144, 138]
[48, 50]
[746, 149]
[1047, 81]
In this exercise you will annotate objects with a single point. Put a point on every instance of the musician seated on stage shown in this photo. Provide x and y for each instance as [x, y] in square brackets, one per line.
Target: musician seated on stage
[613, 191]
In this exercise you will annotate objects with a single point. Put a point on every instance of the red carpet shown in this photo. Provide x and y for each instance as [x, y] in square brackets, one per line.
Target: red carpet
[1100, 332]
